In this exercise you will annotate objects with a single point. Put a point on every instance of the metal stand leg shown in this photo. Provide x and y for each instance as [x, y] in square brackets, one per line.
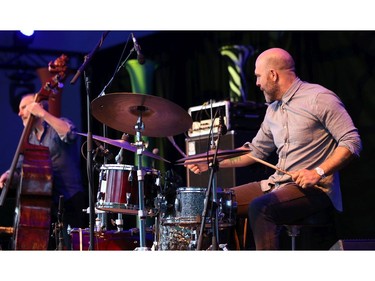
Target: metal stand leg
[142, 214]
[293, 232]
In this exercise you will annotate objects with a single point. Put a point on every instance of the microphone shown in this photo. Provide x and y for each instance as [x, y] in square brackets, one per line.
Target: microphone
[222, 127]
[137, 48]
[89, 57]
[103, 151]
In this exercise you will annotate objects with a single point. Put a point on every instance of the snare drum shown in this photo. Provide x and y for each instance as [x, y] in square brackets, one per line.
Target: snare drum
[119, 186]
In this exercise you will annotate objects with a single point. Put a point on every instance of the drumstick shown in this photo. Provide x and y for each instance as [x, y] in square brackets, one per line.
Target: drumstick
[171, 139]
[277, 169]
[268, 164]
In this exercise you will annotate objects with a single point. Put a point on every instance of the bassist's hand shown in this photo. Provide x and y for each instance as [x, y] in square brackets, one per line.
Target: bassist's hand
[3, 179]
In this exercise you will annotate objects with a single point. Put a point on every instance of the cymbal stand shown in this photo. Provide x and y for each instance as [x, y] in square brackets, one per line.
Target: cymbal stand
[142, 215]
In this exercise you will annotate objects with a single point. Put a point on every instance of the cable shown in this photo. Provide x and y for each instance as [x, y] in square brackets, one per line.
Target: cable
[118, 66]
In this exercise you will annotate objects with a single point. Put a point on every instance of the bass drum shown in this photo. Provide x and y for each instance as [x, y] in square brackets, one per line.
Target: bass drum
[107, 240]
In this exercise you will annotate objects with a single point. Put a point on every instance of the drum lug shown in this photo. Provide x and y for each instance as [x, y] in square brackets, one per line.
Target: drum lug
[130, 177]
[177, 205]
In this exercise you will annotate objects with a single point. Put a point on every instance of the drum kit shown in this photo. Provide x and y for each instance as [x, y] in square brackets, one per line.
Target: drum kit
[135, 190]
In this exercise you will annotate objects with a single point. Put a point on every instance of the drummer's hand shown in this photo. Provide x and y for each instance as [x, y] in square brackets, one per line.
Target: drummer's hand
[3, 179]
[197, 168]
[305, 178]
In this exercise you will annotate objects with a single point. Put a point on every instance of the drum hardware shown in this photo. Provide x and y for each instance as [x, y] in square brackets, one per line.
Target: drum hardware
[221, 246]
[101, 152]
[120, 157]
[98, 224]
[212, 157]
[156, 236]
[119, 222]
[100, 219]
[164, 203]
[179, 230]
[113, 109]
[125, 145]
[58, 227]
[108, 239]
[128, 194]
[211, 192]
[139, 127]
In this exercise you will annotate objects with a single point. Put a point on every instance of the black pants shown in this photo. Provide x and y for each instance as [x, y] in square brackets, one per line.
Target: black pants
[267, 212]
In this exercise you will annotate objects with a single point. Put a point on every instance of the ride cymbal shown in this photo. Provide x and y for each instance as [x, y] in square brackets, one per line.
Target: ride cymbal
[125, 145]
[161, 118]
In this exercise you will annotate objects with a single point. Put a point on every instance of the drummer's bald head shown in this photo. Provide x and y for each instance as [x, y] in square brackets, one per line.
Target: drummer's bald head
[278, 59]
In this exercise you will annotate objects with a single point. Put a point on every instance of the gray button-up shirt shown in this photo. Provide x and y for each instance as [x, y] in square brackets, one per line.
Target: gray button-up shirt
[305, 127]
[65, 160]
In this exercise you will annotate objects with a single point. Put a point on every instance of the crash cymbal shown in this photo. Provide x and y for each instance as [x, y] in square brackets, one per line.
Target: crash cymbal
[161, 117]
[208, 156]
[125, 145]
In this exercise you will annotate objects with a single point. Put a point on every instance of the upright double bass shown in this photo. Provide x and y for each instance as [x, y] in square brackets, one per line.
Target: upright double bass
[32, 219]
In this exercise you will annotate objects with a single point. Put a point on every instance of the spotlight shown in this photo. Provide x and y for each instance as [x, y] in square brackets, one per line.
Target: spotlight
[27, 32]
[22, 40]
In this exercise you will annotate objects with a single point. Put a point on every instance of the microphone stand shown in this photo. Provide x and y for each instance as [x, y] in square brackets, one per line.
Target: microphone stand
[211, 193]
[60, 224]
[89, 57]
[89, 136]
[119, 221]
[90, 165]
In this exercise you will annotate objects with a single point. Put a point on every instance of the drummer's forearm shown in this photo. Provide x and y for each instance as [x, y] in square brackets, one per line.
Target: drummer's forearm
[236, 162]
